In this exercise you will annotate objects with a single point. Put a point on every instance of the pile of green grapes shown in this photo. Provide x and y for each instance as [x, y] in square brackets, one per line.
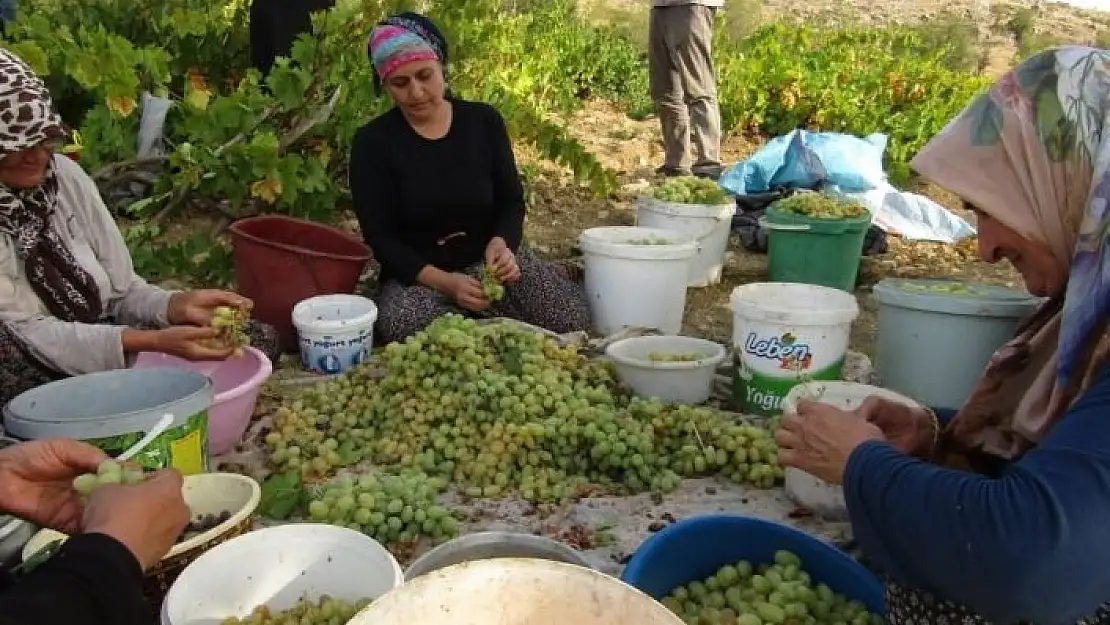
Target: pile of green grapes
[691, 190]
[491, 286]
[109, 472]
[325, 611]
[230, 323]
[386, 507]
[776, 594]
[820, 206]
[496, 409]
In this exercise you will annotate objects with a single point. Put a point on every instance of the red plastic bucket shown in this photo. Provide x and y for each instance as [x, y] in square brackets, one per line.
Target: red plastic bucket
[280, 261]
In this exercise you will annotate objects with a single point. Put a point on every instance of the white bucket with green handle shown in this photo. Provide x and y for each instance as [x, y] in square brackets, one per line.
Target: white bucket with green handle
[114, 409]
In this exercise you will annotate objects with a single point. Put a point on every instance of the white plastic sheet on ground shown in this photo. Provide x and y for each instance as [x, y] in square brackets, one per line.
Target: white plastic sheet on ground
[912, 216]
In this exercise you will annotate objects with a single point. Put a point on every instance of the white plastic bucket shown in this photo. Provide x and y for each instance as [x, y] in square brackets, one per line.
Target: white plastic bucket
[709, 225]
[681, 382]
[336, 331]
[633, 285]
[515, 591]
[783, 334]
[277, 567]
[824, 500]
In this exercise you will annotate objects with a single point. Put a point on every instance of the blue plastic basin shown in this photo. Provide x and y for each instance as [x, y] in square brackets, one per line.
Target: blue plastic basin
[696, 548]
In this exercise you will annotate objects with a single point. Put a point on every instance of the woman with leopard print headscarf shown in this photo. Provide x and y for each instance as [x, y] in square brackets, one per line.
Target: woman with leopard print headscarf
[70, 301]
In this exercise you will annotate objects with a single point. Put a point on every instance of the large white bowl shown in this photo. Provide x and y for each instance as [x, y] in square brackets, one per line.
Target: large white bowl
[688, 382]
[515, 591]
[205, 493]
[277, 567]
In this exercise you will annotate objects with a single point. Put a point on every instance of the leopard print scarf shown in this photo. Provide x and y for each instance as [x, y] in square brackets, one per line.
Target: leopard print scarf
[27, 120]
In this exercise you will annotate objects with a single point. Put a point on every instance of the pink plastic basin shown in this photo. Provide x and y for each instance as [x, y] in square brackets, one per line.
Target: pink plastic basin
[236, 383]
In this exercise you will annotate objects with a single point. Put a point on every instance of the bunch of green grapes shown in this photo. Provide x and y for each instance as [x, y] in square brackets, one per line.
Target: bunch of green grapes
[230, 324]
[325, 611]
[691, 190]
[491, 286]
[108, 472]
[649, 240]
[496, 409]
[820, 206]
[675, 357]
[781, 593]
[386, 507]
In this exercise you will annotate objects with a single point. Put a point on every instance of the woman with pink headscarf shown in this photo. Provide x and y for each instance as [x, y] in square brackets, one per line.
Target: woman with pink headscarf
[438, 195]
[1000, 513]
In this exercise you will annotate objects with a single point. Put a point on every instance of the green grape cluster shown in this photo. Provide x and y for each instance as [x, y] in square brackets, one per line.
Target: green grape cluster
[675, 357]
[386, 507]
[491, 286]
[781, 593]
[497, 408]
[649, 240]
[324, 611]
[230, 324]
[108, 472]
[820, 206]
[691, 190]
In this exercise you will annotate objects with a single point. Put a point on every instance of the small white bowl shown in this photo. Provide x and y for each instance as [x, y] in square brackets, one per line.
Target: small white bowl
[205, 493]
[683, 382]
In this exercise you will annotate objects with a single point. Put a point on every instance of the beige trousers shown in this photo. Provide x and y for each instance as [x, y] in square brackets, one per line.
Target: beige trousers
[683, 83]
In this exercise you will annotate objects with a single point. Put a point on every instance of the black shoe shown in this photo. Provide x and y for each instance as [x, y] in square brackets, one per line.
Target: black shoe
[672, 172]
[710, 172]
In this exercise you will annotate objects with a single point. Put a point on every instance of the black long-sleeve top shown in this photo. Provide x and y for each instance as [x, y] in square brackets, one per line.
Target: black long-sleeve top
[276, 24]
[92, 580]
[424, 202]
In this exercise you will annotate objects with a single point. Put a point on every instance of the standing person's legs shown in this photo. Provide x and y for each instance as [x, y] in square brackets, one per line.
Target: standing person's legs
[693, 52]
[546, 297]
[405, 310]
[666, 85]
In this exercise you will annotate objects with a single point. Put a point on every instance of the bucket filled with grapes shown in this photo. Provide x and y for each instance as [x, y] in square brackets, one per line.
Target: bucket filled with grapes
[298, 573]
[816, 238]
[748, 571]
[221, 505]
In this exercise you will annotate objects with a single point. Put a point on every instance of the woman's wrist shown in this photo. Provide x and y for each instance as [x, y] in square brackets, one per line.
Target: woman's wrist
[134, 341]
[435, 278]
[928, 432]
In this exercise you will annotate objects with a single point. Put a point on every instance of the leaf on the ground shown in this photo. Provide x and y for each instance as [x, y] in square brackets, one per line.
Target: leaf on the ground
[282, 495]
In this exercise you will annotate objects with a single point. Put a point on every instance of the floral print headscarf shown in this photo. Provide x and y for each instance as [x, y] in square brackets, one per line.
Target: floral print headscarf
[1034, 153]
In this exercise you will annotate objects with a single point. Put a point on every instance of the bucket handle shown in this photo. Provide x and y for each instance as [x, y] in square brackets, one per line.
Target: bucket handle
[767, 225]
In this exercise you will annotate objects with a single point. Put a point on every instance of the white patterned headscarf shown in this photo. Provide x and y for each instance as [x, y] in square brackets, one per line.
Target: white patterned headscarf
[1034, 154]
[28, 120]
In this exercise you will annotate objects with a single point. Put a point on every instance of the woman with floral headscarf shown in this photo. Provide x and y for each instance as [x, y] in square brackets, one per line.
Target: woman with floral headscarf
[70, 301]
[999, 514]
[437, 194]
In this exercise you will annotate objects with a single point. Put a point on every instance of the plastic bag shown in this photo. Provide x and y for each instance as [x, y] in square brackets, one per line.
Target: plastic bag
[152, 125]
[805, 160]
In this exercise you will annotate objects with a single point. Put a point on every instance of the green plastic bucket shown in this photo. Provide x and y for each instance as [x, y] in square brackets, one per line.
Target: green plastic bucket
[114, 409]
[806, 250]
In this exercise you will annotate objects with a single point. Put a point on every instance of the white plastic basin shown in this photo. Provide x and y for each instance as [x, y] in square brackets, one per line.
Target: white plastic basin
[515, 591]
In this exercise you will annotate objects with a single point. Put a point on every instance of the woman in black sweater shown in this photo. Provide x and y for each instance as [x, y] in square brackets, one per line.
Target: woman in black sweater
[438, 195]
